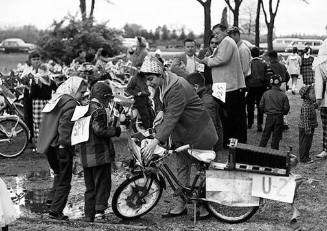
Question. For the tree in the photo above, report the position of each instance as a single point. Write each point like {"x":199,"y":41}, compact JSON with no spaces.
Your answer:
{"x":64,"y":40}
{"x":207,"y":20}
{"x":182,"y":36}
{"x":157,"y":33}
{"x":270,"y":24}
{"x":247,"y":15}
{"x":257,"y":24}
{"x":132,"y":30}
{"x":174,"y":35}
{"x":82,"y":6}
{"x":235,"y":10}
{"x":191,"y":35}
{"x":165,"y":33}
{"x":223,"y":19}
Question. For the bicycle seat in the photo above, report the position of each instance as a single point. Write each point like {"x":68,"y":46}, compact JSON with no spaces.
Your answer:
{"x":203,"y":155}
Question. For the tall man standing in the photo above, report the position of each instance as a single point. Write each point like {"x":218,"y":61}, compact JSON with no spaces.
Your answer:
{"x":245,"y":53}
{"x":226,"y":68}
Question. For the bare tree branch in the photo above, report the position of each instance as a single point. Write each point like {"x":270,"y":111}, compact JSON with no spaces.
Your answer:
{"x":229,"y":5}
{"x":110,"y":2}
{"x":92,"y":9}
{"x":278,"y":1}
{"x":201,"y":2}
{"x":264,"y":12}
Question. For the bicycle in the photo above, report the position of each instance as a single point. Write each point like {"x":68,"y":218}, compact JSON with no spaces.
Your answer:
{"x":14,"y":133}
{"x":138,"y":195}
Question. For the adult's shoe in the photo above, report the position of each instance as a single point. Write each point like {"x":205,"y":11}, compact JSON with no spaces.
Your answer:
{"x":58,"y":216}
{"x":170,"y":214}
{"x":99,"y":216}
{"x":323,"y":154}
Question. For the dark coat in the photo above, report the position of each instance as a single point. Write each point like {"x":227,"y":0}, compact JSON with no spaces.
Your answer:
{"x":214,"y":109}
{"x":56,"y":126}
{"x":185,"y":117}
{"x":99,"y":149}
{"x":280,"y":69}
{"x":207,"y":70}
{"x":259,"y":76}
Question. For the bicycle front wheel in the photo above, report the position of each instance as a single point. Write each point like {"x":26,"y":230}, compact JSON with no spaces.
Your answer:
{"x":14,"y":136}
{"x":136,"y":196}
{"x":231,"y":214}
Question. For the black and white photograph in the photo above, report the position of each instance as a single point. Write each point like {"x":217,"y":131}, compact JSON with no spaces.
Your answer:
{"x":186,"y":115}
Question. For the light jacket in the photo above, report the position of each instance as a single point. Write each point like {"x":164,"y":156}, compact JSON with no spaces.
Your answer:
{"x":226,"y":66}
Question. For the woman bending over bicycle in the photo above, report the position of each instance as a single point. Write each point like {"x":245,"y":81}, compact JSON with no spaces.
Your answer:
{"x":183,"y":117}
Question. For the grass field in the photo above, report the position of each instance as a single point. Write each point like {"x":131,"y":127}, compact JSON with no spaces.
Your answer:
{"x":10,"y":61}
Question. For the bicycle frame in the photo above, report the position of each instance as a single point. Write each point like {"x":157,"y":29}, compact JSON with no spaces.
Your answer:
{"x":166,"y":174}
{"x":13,"y":129}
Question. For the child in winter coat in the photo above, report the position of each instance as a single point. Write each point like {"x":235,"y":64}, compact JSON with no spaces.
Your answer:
{"x":308,"y":122}
{"x":97,"y":153}
{"x":275,"y":105}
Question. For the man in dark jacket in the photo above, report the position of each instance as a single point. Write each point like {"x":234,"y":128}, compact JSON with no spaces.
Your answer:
{"x":256,"y":84}
{"x":184,"y":119}
{"x":210,"y":103}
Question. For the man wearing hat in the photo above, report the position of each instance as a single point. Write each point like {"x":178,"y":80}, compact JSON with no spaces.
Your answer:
{"x":275,"y":104}
{"x":183,"y":118}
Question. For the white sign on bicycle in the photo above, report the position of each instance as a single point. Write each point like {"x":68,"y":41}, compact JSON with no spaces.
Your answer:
{"x":81,"y":129}
{"x":274,"y":187}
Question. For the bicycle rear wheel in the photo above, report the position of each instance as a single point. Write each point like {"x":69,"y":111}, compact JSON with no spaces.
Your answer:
{"x":14,"y":136}
{"x":231,"y":214}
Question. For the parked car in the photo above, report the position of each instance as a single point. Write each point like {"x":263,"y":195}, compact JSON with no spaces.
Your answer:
{"x":279,"y":44}
{"x":16,"y":45}
{"x":301,"y":44}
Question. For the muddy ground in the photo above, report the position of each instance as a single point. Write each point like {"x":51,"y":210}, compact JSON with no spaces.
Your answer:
{"x":29,"y":178}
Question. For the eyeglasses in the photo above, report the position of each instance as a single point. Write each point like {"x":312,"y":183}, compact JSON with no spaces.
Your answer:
{"x":216,"y":43}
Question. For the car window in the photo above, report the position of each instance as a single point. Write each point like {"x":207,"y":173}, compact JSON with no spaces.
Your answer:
{"x":279,"y":41}
{"x":11,"y":44}
{"x":317,"y":43}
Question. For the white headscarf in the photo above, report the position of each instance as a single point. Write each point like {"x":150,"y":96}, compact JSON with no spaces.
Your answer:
{"x":322,"y":55}
{"x":69,"y":87}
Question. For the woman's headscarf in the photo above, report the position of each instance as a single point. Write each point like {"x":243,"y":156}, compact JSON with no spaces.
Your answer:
{"x":69,"y":87}
{"x":322,"y":55}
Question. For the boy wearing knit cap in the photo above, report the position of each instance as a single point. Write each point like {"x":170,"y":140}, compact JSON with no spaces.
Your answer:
{"x":97,"y":153}
{"x":308,"y":122}
{"x":274,"y":103}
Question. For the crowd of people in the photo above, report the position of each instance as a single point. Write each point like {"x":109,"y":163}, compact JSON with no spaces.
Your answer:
{"x":178,"y":102}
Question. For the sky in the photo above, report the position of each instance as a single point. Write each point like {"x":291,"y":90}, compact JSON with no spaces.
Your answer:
{"x":294,"y":16}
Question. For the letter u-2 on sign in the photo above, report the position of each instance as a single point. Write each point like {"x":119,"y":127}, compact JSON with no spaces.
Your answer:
{"x":274,"y":187}
{"x":235,"y":188}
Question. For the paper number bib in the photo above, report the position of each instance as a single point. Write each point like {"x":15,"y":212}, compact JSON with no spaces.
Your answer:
{"x":81,"y":130}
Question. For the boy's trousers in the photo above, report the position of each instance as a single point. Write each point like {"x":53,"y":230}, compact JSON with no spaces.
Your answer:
{"x":305,"y":142}
{"x":274,"y":125}
{"x":98,"y":184}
